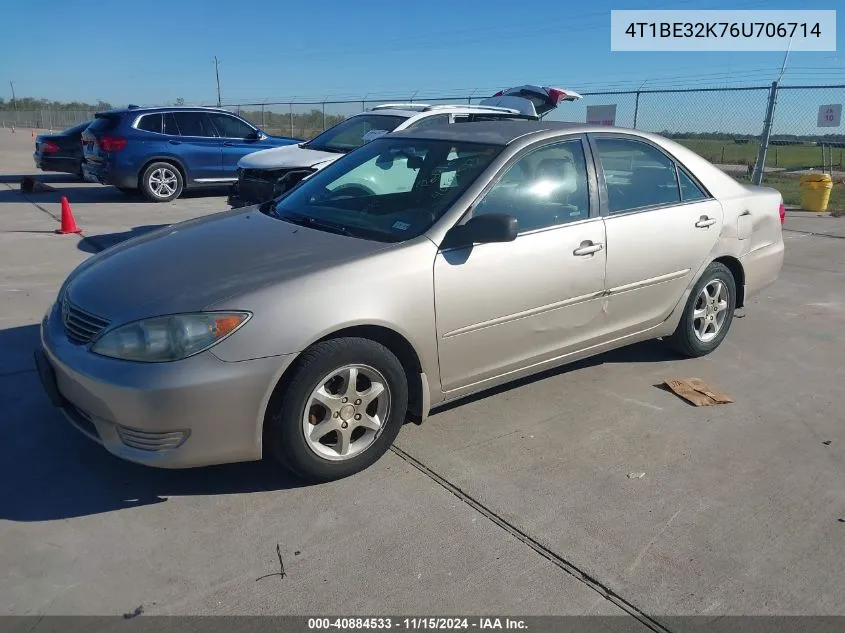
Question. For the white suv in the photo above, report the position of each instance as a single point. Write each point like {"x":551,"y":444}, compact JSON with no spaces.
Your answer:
{"x":269,"y":173}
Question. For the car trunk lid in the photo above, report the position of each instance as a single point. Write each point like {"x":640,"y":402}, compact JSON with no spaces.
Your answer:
{"x":530,"y":99}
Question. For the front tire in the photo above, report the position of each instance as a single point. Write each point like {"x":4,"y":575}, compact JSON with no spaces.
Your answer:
{"x":708,"y":313}
{"x":340,"y":411}
{"x":162,"y":182}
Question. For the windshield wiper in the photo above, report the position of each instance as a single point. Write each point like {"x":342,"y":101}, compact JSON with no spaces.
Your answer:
{"x":323,"y":225}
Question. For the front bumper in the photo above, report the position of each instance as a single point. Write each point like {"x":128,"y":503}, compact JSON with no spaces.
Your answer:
{"x":234,"y":199}
{"x":195,"y":412}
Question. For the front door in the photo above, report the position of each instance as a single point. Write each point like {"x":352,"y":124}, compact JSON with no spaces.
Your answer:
{"x":501,"y":307}
{"x":661,"y":228}
{"x":237,"y":139}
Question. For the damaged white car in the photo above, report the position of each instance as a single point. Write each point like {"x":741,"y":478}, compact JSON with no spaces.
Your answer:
{"x":269,"y":173}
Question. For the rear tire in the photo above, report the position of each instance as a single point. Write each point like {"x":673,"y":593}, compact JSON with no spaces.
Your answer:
{"x":708,"y":313}
{"x":323,"y":426}
{"x":162,"y":182}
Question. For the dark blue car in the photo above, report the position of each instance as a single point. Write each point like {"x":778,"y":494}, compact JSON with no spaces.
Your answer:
{"x":163,"y":151}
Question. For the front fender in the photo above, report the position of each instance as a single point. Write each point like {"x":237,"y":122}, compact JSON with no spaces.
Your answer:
{"x":392,"y":289}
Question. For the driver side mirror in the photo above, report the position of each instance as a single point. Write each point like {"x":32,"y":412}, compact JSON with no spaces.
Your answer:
{"x":483,"y":229}
{"x":255,"y":135}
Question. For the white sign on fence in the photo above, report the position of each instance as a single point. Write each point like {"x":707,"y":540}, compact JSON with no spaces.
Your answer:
{"x":601,"y":114}
{"x":830,"y":115}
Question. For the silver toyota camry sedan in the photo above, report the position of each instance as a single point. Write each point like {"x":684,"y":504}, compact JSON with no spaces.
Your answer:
{"x":422,"y":267}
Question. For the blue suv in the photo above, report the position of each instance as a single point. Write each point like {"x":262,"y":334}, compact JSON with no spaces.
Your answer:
{"x":163,"y":151}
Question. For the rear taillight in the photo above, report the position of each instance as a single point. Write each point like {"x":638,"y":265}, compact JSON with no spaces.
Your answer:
{"x":782,"y":211}
{"x":49,"y":147}
{"x":112,"y":143}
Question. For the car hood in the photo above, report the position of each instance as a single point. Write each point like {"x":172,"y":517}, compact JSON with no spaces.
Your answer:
{"x":286,"y":157}
{"x":188,"y":266}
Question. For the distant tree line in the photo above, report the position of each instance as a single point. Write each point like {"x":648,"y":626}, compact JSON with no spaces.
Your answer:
{"x":31,"y":103}
{"x":724,"y":136}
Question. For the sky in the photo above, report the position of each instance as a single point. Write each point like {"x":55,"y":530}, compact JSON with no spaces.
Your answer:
{"x":123,"y":52}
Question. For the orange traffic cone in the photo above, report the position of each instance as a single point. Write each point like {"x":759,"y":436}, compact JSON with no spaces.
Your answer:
{"x":68,"y":223}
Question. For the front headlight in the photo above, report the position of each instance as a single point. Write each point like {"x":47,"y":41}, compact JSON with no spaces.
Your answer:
{"x":169,"y":338}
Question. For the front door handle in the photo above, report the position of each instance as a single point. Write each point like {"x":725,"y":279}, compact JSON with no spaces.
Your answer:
{"x":704,"y":222}
{"x":228,"y":143}
{"x":175,"y":142}
{"x":587,"y":248}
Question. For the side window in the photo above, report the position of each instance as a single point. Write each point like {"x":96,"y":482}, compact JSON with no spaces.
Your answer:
{"x":230,"y":127}
{"x":170,"y":126}
{"x":150,"y":123}
{"x":440,"y":119}
{"x":544,"y":188}
{"x":689,"y":190}
{"x":194,"y":124}
{"x":637,"y":175}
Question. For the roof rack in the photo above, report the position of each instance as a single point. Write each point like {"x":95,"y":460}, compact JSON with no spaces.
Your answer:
{"x":402,"y":106}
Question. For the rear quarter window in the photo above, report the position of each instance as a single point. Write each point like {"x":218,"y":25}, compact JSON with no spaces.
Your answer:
{"x":150,"y":123}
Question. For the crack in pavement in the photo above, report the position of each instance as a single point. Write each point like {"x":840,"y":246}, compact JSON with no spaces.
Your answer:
{"x":35,"y":204}
{"x":835,"y":237}
{"x":570,"y":568}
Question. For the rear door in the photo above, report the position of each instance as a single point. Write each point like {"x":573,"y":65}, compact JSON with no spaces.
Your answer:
{"x":198,"y":146}
{"x":661,"y":228}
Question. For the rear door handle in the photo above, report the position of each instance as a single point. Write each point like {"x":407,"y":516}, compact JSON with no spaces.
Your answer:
{"x":704,"y":222}
{"x":587,"y":248}
{"x":228,"y":144}
{"x":175,"y":142}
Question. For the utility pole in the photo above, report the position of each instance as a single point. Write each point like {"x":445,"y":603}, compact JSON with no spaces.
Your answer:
{"x":14,"y":103}
{"x":217,"y":75}
{"x":760,"y":165}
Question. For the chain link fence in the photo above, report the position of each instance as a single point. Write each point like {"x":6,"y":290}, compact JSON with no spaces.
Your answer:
{"x":724,"y":125}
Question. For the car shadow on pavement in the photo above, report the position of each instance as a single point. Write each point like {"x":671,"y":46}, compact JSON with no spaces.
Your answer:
{"x":653,"y":351}
{"x":49,"y":178}
{"x":97,"y":243}
{"x":94,"y":194}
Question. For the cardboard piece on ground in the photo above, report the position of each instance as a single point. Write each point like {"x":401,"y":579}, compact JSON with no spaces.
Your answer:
{"x":697,"y":392}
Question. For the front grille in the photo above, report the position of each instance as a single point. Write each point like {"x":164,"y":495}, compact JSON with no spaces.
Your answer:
{"x":81,"y":327}
{"x":256,"y":186}
{"x":261,"y":185}
{"x":150,"y":440}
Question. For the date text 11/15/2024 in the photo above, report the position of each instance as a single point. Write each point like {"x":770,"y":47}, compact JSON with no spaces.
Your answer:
{"x":415,"y":624}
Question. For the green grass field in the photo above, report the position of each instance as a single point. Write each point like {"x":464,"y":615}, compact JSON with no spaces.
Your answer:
{"x":787,"y":156}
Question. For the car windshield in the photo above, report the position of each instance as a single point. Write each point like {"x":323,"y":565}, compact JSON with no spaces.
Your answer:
{"x":390,"y":190}
{"x":354,"y":132}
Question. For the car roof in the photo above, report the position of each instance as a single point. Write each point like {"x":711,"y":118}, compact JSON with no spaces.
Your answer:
{"x":493,"y":132}
{"x":143,"y":110}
